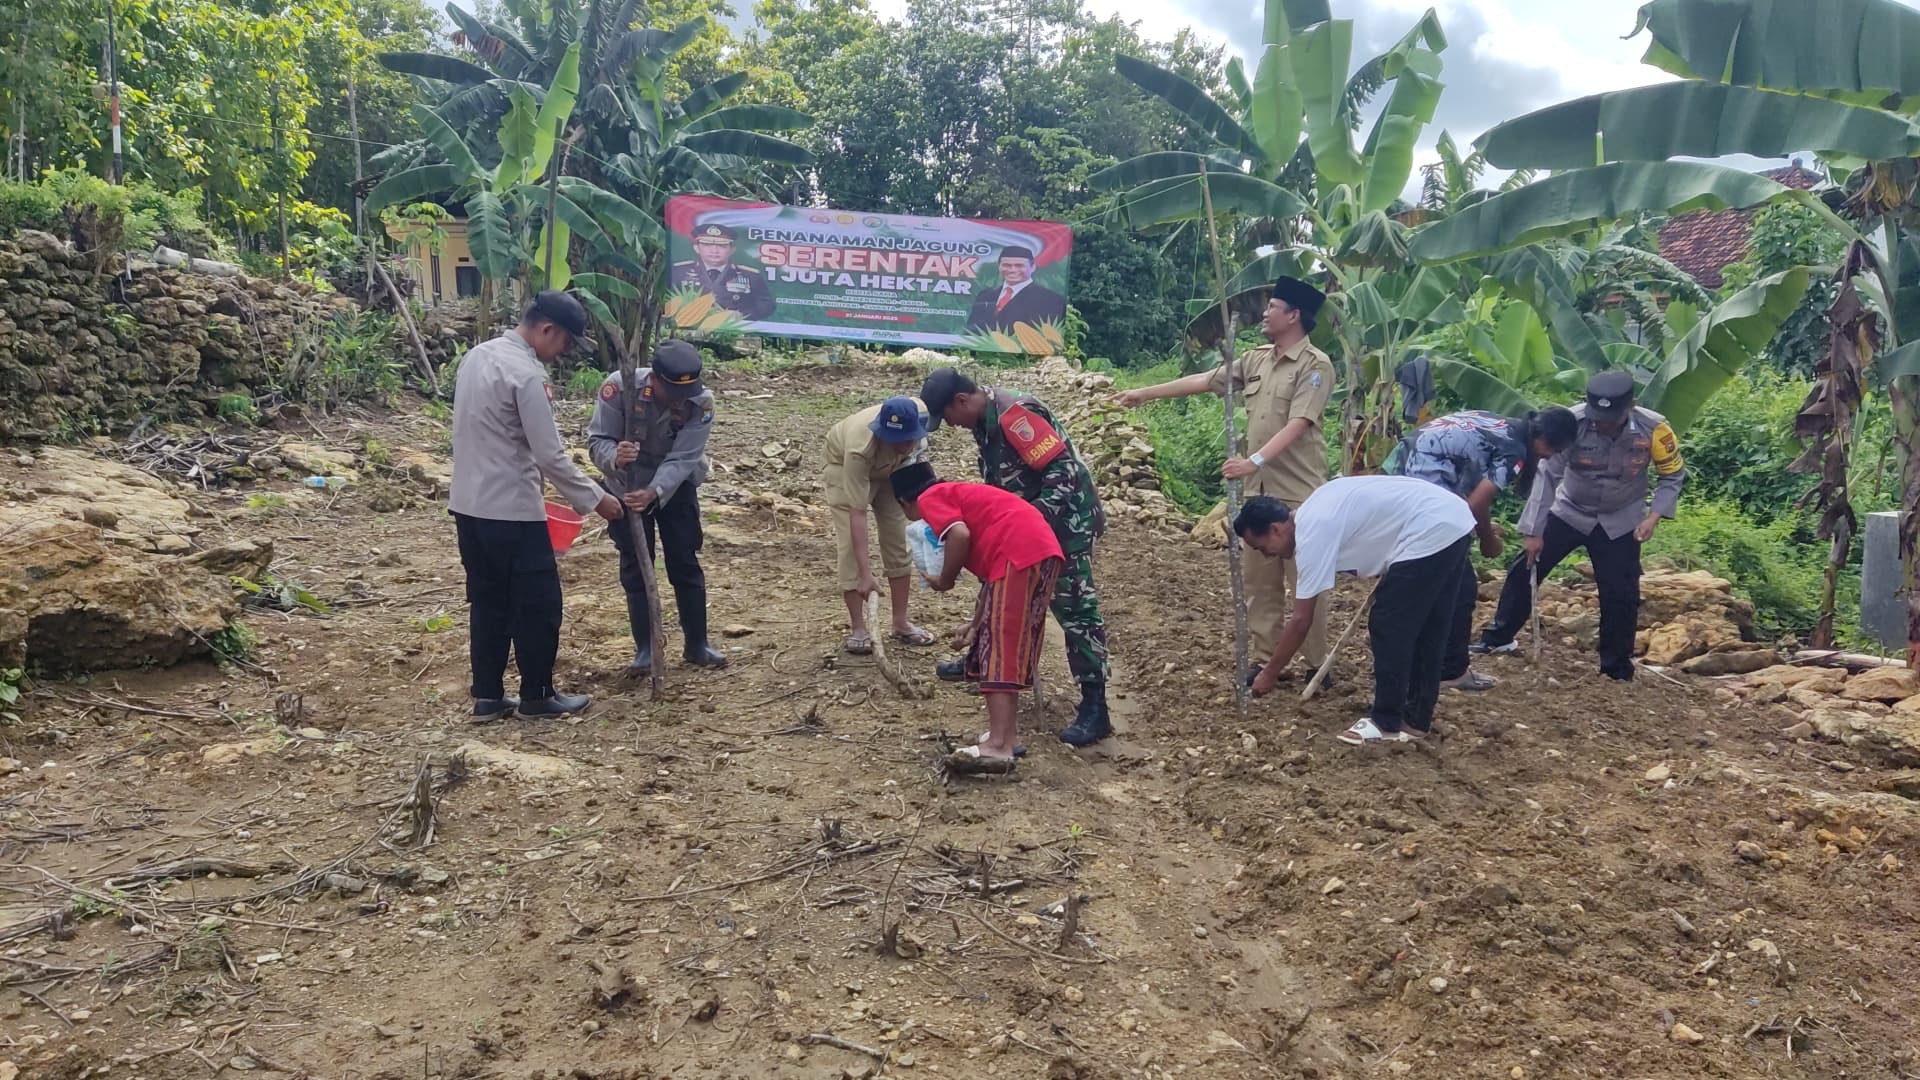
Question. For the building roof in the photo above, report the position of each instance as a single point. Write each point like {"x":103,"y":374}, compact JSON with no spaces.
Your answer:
{"x":1705,"y":242}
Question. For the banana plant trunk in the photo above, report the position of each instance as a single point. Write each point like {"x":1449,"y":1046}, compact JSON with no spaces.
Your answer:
{"x":1904,"y":395}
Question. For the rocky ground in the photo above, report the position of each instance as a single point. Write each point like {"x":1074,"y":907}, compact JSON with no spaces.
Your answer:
{"x":309,"y":862}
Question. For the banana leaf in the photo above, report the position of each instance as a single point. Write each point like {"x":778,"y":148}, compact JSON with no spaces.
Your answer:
{"x":751,"y":118}
{"x":1178,"y":199}
{"x":412,"y":186}
{"x":578,"y":220}
{"x":1320,"y":57}
{"x":517,"y":140}
{"x":1543,"y":275}
{"x":500,"y":47}
{"x":748,"y":144}
{"x":1478,"y":388}
{"x":1192,"y":102}
{"x":1374,"y":240}
{"x":705,"y":99}
{"x":614,"y":212}
{"x":554,"y":112}
{"x":688,"y":170}
{"x":606,"y":284}
{"x":559,"y":274}
{"x":1159,"y":165}
{"x":1586,"y":198}
{"x":1300,"y":14}
{"x":1390,"y":147}
{"x":1262,"y":272}
{"x":448,"y":142}
{"x":1277,"y":104}
{"x":490,"y":235}
{"x":1859,"y":51}
{"x":1900,"y":363}
{"x":1248,"y":306}
{"x":1237,"y":83}
{"x":1693,"y":119}
{"x":1713,"y":352}
{"x":435,"y":66}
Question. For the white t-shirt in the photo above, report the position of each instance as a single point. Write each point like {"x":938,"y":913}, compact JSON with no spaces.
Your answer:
{"x":1367,"y":523}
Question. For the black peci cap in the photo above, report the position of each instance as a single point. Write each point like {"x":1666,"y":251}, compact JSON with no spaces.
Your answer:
{"x":1016,"y":251}
{"x":912,"y":480}
{"x":1609,"y":393}
{"x":713,"y":231}
{"x":939,"y":390}
{"x":563,"y":311}
{"x":676,"y":367}
{"x":1299,"y":296}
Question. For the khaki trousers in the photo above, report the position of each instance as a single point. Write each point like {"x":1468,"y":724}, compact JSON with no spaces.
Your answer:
{"x":1269,"y":602}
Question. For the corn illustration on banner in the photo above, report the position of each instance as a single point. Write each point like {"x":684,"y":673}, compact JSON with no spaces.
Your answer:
{"x":801,"y":272}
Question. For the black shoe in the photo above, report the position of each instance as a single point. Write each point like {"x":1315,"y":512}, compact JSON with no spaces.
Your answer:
{"x":951,"y":670}
{"x":1254,"y":673}
{"x":1092,"y":722}
{"x":642,"y":665}
{"x":557,"y":705}
{"x":703,"y":654}
{"x":495,"y":708}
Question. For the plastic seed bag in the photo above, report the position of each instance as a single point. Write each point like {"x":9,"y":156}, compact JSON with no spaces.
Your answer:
{"x":929,"y":554}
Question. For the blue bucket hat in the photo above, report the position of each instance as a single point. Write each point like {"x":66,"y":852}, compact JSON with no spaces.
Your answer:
{"x":900,"y":421}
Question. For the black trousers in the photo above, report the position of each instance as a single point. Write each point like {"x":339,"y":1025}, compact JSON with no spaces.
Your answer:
{"x":1411,"y":622}
{"x":1455,"y":662}
{"x":1616,"y":570}
{"x":674,"y":525}
{"x":513,"y":589}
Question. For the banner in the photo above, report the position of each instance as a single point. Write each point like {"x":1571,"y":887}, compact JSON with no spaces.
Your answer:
{"x":758,"y":268}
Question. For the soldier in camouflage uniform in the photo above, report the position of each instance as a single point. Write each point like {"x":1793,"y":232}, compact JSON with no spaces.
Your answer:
{"x":1024,"y":452}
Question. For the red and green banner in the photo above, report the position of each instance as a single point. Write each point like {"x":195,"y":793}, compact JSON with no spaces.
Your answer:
{"x":786,"y":271}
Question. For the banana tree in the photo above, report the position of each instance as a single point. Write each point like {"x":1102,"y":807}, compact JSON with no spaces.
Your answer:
{"x":505,"y":202}
{"x":1765,"y":78}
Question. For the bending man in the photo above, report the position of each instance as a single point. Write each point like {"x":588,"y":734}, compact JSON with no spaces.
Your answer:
{"x":1413,"y":536}
{"x":862,"y":453}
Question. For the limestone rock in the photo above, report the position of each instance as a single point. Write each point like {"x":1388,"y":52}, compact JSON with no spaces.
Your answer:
{"x":71,"y":601}
{"x":536,"y":768}
{"x":1731,"y":663}
{"x":247,"y":559}
{"x":316,"y":460}
{"x":1910,"y":706}
{"x":433,"y":473}
{"x":1885,"y":684}
{"x":228,"y":753}
{"x":1792,"y":675}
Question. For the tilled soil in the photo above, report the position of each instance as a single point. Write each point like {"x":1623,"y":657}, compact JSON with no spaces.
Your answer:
{"x":764,"y":874}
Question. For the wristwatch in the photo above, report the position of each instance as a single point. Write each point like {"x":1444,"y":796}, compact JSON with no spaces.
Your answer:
{"x":1257,"y":460}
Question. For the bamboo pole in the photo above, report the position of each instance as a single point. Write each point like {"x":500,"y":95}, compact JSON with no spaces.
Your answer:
{"x":1231,"y":370}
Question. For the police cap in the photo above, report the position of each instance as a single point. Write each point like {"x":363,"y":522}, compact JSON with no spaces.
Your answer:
{"x":1299,"y":296}
{"x":563,"y":311}
{"x":676,"y":368}
{"x":713,"y":232}
{"x":1609,"y":393}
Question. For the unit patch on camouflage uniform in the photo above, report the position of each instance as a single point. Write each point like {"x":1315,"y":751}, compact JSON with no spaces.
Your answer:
{"x":1031,"y":437}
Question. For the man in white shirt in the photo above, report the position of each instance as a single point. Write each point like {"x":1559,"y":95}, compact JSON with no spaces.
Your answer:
{"x":1415,"y":537}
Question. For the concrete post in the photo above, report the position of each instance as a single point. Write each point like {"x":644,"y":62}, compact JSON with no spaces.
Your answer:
{"x":1883,"y":596}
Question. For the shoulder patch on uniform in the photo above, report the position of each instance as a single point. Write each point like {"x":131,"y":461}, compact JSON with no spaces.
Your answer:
{"x":1030,"y":436}
{"x":706,"y":414}
{"x":608,"y":391}
{"x":1313,"y":380}
{"x":1666,"y":450}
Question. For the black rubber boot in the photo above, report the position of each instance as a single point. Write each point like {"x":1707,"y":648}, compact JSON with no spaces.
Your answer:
{"x":1092,"y":722}
{"x":699,"y":650}
{"x":557,"y":705}
{"x":495,"y":708}
{"x":951,"y":670}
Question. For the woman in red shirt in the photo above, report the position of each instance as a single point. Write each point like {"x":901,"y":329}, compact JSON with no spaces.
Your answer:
{"x":1009,"y":546}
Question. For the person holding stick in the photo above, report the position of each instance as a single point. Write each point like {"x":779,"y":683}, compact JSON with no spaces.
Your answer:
{"x":862,"y":453}
{"x":1023,"y":451}
{"x":505,"y":443}
{"x":1596,"y":495}
{"x":673,"y":415}
{"x":1287,"y":383}
{"x":1476,"y":455}
{"x":1010,"y":547}
{"x":1412,"y":535}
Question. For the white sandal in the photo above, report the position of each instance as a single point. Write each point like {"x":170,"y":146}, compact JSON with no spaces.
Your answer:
{"x":1364,"y":731}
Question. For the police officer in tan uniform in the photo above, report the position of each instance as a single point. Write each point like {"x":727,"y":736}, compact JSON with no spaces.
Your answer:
{"x":1597,"y":495}
{"x":1287,"y":385}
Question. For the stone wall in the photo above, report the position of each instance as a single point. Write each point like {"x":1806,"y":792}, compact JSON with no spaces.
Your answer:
{"x":81,"y":352}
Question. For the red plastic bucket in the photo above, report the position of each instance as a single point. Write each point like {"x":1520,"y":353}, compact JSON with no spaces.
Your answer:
{"x":563,"y":526}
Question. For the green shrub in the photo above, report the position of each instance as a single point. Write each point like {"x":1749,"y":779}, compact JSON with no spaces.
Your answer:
{"x":29,"y":206}
{"x":99,"y":215}
{"x":234,"y":643}
{"x":1739,"y":448}
{"x":1772,"y":564}
{"x":10,"y":679}
{"x":350,"y":357}
{"x":585,"y":383}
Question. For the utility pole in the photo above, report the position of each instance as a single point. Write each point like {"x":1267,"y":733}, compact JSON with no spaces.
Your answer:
{"x":353,"y":123}
{"x":113,"y":95}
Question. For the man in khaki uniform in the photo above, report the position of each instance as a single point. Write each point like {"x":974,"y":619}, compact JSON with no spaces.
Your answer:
{"x":862,"y":453}
{"x":1287,"y":385}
